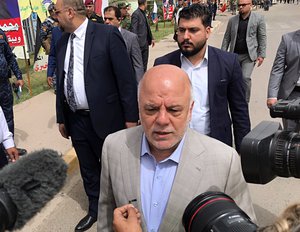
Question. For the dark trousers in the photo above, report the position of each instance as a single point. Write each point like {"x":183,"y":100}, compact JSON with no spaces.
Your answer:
{"x":88,"y":147}
{"x":6,"y":103}
{"x":145,"y":55}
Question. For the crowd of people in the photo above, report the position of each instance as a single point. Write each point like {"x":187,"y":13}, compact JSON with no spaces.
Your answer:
{"x":137,"y":139}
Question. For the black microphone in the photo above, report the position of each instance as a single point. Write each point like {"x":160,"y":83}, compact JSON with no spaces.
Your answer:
{"x":27,"y":185}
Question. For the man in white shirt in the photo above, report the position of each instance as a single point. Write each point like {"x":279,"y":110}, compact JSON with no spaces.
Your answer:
{"x":216,"y":77}
{"x":6,"y":139}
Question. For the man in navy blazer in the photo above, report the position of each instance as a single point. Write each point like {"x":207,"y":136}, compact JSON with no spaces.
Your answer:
{"x":96,"y":92}
{"x":216,"y":78}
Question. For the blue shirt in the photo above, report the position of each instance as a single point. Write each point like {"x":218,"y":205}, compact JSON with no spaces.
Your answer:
{"x":156,"y":184}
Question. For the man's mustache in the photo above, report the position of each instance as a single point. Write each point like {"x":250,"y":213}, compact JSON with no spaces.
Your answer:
{"x":186,"y":42}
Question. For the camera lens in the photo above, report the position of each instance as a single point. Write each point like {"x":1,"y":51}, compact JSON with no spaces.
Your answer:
{"x":285,"y":154}
{"x":215,"y":212}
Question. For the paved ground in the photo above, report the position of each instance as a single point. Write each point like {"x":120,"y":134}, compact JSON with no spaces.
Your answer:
{"x":36,"y":128}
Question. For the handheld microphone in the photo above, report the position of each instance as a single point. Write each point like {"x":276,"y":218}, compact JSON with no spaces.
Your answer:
{"x":27,"y":185}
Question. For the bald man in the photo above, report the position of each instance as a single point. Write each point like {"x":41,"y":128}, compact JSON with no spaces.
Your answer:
{"x":160,"y":166}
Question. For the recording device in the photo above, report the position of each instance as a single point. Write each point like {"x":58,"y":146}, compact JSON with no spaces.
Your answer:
{"x":17,"y":90}
{"x":268,"y":151}
{"x":27,"y":185}
{"x":216,"y":212}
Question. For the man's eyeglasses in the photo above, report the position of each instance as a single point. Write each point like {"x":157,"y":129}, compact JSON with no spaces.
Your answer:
{"x":243,"y":5}
{"x":58,"y":11}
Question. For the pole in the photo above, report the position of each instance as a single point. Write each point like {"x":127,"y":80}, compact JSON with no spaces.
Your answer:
{"x":27,"y":71}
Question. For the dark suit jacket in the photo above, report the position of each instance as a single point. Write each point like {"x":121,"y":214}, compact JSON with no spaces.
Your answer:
{"x":109,"y":80}
{"x":225,"y":90}
{"x":140,"y":26}
{"x":56,"y":34}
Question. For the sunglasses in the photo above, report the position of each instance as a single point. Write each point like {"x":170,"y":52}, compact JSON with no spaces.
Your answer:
{"x":243,"y":5}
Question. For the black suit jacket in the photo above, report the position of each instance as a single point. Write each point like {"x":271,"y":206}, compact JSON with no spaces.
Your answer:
{"x":109,"y":80}
{"x":140,"y":26}
{"x":225,"y":91}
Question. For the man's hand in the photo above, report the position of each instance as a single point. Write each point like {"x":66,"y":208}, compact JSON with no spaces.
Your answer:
{"x":50,"y":81}
{"x":153,"y":43}
{"x":13,"y":154}
{"x":20,"y":83}
{"x":271,"y":101}
{"x":259,"y":61}
{"x":127,"y":219}
{"x":63,"y":131}
{"x":130,"y":124}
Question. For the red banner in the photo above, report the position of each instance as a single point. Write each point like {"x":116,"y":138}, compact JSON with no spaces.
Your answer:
{"x":10,"y":22}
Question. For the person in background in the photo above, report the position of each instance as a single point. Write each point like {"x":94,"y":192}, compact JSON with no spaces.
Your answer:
{"x":125,"y":16}
{"x":246,"y":36}
{"x":8,"y":62}
{"x":51,"y":71}
{"x":90,"y":12}
{"x":46,"y":29}
{"x":112,"y":16}
{"x":141,"y":27}
{"x":284,"y":82}
{"x":216,"y":77}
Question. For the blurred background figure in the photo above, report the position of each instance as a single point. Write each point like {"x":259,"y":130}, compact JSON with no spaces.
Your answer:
{"x":47,"y":27}
{"x":112,"y":16}
{"x":125,"y":16}
{"x":90,"y":12}
{"x":8,"y":62}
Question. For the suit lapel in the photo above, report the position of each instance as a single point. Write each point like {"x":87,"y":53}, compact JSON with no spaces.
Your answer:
{"x":250,"y":22}
{"x":213,"y":73}
{"x":236,"y":27}
{"x":88,"y":44}
{"x":62,"y":54}
{"x":186,"y":182}
{"x":131,"y":169}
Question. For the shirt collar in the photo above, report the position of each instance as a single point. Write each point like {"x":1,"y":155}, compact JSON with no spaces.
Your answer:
{"x":184,"y":59}
{"x":81,"y":30}
{"x":175,"y":156}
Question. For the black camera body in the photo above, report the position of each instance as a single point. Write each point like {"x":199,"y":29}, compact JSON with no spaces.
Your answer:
{"x":268,"y":151}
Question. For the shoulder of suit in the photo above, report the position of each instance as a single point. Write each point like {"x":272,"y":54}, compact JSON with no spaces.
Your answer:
{"x":123,"y":135}
{"x":212,"y":146}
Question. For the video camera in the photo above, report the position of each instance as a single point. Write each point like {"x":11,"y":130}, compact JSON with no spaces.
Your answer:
{"x":269,"y":151}
{"x":216,"y":212}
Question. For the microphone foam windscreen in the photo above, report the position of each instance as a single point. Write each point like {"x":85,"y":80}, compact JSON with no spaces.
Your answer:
{"x":32,"y":181}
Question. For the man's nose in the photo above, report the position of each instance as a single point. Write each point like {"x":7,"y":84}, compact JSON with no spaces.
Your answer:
{"x":162,"y":118}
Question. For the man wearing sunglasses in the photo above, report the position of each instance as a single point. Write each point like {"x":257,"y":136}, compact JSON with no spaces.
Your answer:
{"x":246,"y":36}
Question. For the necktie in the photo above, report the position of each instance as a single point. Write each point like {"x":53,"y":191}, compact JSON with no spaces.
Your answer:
{"x":70,"y":88}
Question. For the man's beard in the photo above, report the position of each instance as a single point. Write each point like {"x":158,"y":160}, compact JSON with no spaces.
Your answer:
{"x":196,"y":48}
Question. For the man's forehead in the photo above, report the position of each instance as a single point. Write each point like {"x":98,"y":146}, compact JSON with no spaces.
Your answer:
{"x":189,"y":23}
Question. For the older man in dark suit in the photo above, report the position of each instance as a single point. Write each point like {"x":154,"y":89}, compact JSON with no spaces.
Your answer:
{"x":216,"y":76}
{"x":141,"y":27}
{"x":96,"y":92}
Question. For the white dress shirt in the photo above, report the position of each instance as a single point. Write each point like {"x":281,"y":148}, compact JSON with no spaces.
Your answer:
{"x":6,"y":137}
{"x":78,"y":77}
{"x":199,"y":77}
